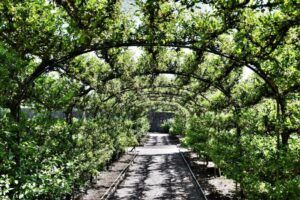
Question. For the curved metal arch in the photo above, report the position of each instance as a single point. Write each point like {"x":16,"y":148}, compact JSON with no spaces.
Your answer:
{"x":158,"y":72}
{"x":178,"y":106}
{"x":261,"y":73}
{"x":180,"y":89}
{"x":171,"y":101}
{"x":46,"y":66}
{"x":134,"y":90}
{"x":166,"y":98}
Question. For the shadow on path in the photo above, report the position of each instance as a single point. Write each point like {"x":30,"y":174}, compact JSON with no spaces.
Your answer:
{"x":158,"y":173}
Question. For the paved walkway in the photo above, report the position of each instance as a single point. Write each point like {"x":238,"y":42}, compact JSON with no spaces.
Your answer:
{"x":158,"y":172}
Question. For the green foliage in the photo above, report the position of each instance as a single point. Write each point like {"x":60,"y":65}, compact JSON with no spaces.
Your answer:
{"x":253,"y":159}
{"x":56,"y":157}
{"x":228,"y":68}
{"x":197,"y":135}
{"x":176,"y":125}
{"x":167,"y":124}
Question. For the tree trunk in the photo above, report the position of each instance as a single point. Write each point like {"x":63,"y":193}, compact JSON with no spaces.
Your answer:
{"x":15,"y":111}
{"x":14,"y":145}
{"x":237,"y":113}
{"x":281,"y":118}
{"x":69,"y":115}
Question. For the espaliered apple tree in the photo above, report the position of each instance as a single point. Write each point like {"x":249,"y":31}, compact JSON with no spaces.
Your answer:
{"x":77,"y":78}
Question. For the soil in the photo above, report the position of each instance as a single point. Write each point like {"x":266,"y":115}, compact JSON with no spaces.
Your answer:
{"x":214,"y":185}
{"x":102,"y":182}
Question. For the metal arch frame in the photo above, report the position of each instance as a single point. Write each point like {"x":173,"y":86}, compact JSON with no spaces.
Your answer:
{"x":170,"y":98}
{"x":136,"y":90}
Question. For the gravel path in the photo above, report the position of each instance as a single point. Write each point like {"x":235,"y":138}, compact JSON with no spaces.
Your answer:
{"x":158,"y":172}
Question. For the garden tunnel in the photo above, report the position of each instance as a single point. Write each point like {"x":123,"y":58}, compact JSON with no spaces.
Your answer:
{"x":117,"y":60}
